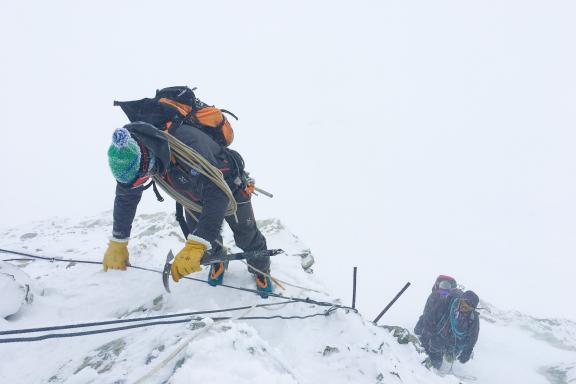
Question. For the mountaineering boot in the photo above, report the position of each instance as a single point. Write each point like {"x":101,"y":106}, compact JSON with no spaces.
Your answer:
{"x":263,"y":285}
{"x":216,"y":274}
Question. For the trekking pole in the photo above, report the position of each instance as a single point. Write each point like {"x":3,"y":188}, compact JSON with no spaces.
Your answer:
{"x":354,"y":289}
{"x":390,"y":303}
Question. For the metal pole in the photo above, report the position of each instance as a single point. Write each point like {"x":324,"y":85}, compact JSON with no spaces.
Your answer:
{"x":391,"y":303}
{"x":354,"y":289}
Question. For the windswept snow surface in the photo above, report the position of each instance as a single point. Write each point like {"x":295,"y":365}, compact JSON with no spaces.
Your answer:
{"x":340,"y":348}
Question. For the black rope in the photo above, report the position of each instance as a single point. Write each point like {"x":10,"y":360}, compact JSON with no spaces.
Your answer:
{"x":271,"y":294}
{"x":85,"y":333}
{"x":145,"y":322}
{"x":51,"y":259}
{"x":107,"y":330}
{"x":137,"y":319}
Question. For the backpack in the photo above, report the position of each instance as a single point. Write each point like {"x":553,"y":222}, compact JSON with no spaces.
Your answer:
{"x":444,"y":278}
{"x":174,"y":106}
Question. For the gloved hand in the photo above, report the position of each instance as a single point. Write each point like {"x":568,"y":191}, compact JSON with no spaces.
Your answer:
{"x":116,"y":256}
{"x":188,"y":259}
{"x":464,"y":357}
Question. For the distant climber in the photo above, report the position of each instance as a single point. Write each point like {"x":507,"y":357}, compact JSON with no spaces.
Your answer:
{"x":450,"y":327}
{"x":440,"y":290}
{"x":141,"y":151}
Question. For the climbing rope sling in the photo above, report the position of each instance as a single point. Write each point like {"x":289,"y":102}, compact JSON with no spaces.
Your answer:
{"x":189,"y":157}
{"x":448,"y":325}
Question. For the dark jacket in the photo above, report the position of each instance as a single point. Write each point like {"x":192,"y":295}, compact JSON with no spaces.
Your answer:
{"x":448,"y":329}
{"x":189,"y":183}
{"x":435,"y":299}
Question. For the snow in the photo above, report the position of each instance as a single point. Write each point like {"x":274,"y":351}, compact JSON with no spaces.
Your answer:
{"x":15,"y":286}
{"x":343,"y":347}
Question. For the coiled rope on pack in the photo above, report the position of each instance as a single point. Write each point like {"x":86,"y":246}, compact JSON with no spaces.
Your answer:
{"x":189,"y":157}
{"x":454,"y":321}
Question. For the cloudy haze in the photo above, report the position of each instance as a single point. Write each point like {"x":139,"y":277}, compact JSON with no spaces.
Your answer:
{"x":407,"y":138}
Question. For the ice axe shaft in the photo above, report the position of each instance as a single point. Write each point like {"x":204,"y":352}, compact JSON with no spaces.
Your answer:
{"x":209,"y":258}
{"x":263,"y":192}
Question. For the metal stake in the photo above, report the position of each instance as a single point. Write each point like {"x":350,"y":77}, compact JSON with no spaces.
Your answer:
{"x":391,"y":303}
{"x":354,"y":289}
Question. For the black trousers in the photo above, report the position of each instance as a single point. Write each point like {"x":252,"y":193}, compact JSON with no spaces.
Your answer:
{"x":247,"y":236}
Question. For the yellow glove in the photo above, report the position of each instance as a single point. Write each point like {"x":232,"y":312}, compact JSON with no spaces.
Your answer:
{"x":116,"y":256}
{"x":188,"y":259}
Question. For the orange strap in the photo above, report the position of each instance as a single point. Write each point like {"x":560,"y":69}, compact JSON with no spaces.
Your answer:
{"x":183,"y":109}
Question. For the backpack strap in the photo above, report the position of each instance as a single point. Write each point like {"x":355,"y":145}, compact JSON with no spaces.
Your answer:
{"x":229,"y":113}
{"x":181,"y":219}
{"x":155,"y":189}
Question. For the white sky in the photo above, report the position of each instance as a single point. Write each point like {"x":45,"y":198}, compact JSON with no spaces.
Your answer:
{"x":407,"y":138}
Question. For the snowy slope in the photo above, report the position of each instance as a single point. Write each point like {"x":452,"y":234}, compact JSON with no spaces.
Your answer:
{"x":340,"y":348}
{"x":532,"y":350}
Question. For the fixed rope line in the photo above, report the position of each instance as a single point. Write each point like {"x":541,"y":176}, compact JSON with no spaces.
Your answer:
{"x":137,"y":319}
{"x":271,"y":294}
{"x":51,"y":259}
{"x":147,"y":324}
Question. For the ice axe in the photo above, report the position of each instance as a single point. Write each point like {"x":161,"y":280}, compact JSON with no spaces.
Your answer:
{"x":210,"y":258}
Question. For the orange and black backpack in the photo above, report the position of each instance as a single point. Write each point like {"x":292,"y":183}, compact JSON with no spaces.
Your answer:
{"x":174,"y":106}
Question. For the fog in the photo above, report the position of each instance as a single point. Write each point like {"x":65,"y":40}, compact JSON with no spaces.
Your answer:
{"x":406,"y":138}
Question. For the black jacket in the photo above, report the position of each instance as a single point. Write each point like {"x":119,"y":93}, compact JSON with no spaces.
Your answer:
{"x":196,"y":187}
{"x":449,"y":329}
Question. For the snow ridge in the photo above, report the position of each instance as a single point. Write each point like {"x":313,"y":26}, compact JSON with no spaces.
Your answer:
{"x":339,"y":348}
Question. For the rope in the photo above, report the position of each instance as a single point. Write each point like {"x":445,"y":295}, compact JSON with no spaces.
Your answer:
{"x":271,"y":294}
{"x":454,"y":321}
{"x":148,"y":324}
{"x":138,"y":319}
{"x":189,"y":157}
{"x":86,"y":333}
